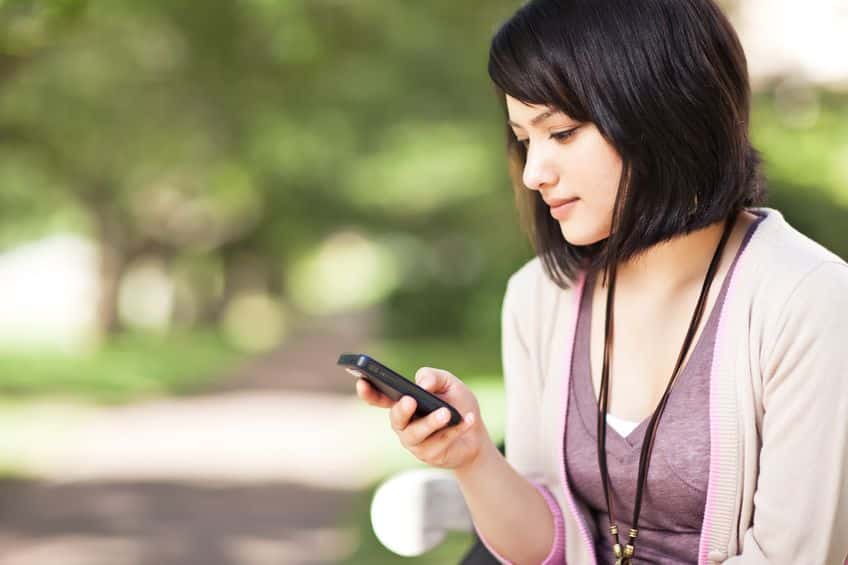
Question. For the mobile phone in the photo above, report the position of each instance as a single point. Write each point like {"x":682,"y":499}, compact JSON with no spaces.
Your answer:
{"x":394,"y":385}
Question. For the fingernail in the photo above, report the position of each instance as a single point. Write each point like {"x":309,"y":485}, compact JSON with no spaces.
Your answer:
{"x":442,"y":415}
{"x":425,"y":382}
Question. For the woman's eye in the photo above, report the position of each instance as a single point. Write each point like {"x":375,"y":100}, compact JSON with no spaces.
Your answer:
{"x":559,"y":136}
{"x":563,"y":135}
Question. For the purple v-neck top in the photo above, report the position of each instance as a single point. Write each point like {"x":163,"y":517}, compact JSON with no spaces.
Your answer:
{"x":675,"y":490}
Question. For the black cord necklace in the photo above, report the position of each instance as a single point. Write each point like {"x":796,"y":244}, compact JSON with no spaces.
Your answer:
{"x":625,"y":556}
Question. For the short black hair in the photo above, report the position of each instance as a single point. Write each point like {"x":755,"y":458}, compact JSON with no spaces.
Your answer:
{"x":666,"y":83}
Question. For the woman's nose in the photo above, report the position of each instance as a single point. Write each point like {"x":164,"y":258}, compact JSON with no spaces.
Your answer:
{"x":538,"y":172}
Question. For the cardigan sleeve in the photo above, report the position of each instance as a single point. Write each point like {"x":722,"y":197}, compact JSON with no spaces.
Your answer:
{"x":801,"y":498}
{"x":522,"y":443}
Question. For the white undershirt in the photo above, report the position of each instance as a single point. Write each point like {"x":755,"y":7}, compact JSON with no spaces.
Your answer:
{"x":622,"y":426}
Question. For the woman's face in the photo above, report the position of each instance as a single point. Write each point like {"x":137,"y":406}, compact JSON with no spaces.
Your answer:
{"x":566,"y":160}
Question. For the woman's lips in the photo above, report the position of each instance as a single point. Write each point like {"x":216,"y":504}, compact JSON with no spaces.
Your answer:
{"x":562,"y":210}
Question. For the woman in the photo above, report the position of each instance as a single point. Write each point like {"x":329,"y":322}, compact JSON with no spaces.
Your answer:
{"x":674,"y":356}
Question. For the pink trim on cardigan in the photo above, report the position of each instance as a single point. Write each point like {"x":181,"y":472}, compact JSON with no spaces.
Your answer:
{"x":707,"y":523}
{"x":578,"y":292}
{"x":557,"y":553}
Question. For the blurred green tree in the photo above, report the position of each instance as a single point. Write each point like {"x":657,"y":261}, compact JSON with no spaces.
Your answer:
{"x":228,"y":133}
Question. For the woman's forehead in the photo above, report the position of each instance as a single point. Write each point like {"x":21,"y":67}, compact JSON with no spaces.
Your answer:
{"x":522,"y":115}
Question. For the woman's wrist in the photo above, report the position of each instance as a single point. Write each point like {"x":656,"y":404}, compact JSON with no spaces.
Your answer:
{"x":485,"y":457}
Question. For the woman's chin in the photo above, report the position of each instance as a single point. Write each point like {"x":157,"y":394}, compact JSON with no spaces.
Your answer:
{"x":575,"y":236}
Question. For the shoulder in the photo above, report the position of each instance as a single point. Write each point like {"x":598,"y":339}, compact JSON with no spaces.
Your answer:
{"x":780,"y":248}
{"x":529,"y":288}
{"x":526,"y":278}
{"x":798,"y":288}
{"x":785,"y":264}
{"x":536,"y":310}
{"x":818,"y":300}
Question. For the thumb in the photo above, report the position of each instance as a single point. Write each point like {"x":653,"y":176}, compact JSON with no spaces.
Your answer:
{"x":433,"y":380}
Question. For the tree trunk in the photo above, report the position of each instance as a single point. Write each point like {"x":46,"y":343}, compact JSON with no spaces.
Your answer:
{"x":111,"y":270}
{"x":112,"y":256}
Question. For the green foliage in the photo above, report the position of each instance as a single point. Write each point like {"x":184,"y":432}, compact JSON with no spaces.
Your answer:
{"x":804,"y":140}
{"x":268,"y":128}
{"x":129,"y":367}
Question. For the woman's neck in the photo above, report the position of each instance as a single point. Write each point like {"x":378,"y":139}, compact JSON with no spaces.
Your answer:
{"x":672,"y":266}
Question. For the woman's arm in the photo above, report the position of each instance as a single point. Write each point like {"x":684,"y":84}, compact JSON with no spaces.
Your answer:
{"x":511,"y":514}
{"x":513,"y":510}
{"x":801,"y":501}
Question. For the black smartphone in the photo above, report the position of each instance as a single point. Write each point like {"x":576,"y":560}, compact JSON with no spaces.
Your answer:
{"x":394,"y":385}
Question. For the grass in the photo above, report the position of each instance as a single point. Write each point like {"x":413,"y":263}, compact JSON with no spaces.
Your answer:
{"x":130,"y":367}
{"x":136,"y":366}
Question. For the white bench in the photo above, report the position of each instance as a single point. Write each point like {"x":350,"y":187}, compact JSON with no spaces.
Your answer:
{"x":412,"y":511}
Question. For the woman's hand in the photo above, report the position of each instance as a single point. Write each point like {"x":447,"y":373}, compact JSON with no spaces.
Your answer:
{"x":427,"y":438}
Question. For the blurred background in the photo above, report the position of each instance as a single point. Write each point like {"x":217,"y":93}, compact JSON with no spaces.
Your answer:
{"x":203,"y":203}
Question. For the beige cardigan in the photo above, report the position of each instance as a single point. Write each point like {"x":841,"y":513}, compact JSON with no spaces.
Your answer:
{"x":778,"y":476}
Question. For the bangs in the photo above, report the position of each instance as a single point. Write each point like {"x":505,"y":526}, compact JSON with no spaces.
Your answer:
{"x":518,"y":65}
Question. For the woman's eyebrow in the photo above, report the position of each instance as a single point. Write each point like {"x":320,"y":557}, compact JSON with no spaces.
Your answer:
{"x":535,"y":121}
